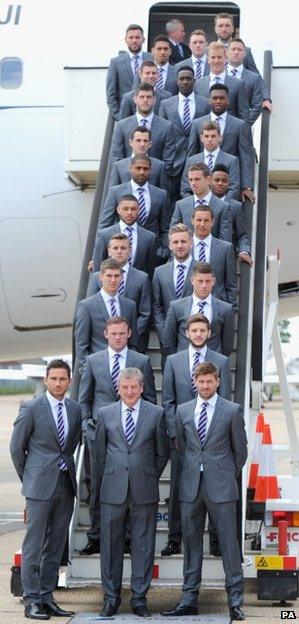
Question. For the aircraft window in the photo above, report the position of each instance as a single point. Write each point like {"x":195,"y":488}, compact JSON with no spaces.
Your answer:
{"x":11,"y":72}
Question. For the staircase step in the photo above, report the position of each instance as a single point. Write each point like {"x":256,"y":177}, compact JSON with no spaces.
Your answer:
{"x":84,"y":520}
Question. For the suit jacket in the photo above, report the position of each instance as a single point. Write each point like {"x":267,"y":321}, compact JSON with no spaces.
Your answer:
{"x":175,"y":56}
{"x":222,"y":226}
{"x":222,"y":454}
{"x":230,"y":161}
{"x":249,"y":63}
{"x":236,"y":140}
{"x":177,"y":386}
{"x":97,"y":390}
{"x":254,"y":89}
{"x":145,"y":242}
{"x":119,"y":80}
{"x":120,"y":173}
{"x":188,"y":63}
{"x":158,"y":217}
{"x":238,"y":99}
{"x":169,"y":110}
{"x":135,"y":468}
{"x":138,"y":289}
{"x":36,"y":450}
{"x":91,"y":319}
{"x":163,"y":140}
{"x":222,"y":326}
{"x":170,"y":83}
{"x":240,"y":237}
{"x":164,"y":292}
{"x":223,"y":261}
{"x":128,"y":106}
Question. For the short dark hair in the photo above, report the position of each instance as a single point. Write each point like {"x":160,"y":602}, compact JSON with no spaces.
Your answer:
{"x":237,"y":40}
{"x":131,"y":198}
{"x":201,"y":166}
{"x":185,"y":68}
{"x":203,"y":208}
{"x":221,"y":167}
{"x":134,"y":27}
{"x":58,"y":363}
{"x":202,"y":267}
{"x":116,"y":320}
{"x":118,"y":236}
{"x":140,"y":129}
{"x":224,"y":16}
{"x":110,"y":263}
{"x":219,"y":87}
{"x":198,"y":32}
{"x":147,"y":63}
{"x":198,"y":318}
{"x":206,"y":368}
{"x":138,"y":157}
{"x":144,"y":86}
{"x":160,"y":38}
{"x":210,"y":125}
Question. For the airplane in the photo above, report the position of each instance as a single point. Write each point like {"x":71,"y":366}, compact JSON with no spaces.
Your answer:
{"x":45,"y":206}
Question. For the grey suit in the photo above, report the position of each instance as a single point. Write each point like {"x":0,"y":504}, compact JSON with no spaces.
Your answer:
{"x":138,"y":289}
{"x":230,"y":161}
{"x":222,"y":326}
{"x":164,"y":292}
{"x":119,"y":80}
{"x":128,"y":106}
{"x":120,"y":173}
{"x":36,"y":453}
{"x":240,"y":237}
{"x":236,"y":140}
{"x":170,"y":83}
{"x":254,"y":90}
{"x":188,"y":62}
{"x":163,"y":140}
{"x":238,"y":98}
{"x":222,"y":225}
{"x":223,"y":261}
{"x":129,"y":475}
{"x":92,"y":316}
{"x":249,"y":63}
{"x":208,"y":483}
{"x":143,"y":256}
{"x":169,"y":110}
{"x":97,"y":390}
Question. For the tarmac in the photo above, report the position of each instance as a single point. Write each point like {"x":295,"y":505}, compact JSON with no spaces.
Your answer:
{"x":86,"y":602}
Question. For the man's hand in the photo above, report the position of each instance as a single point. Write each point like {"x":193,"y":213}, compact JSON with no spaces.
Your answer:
{"x":245,"y":257}
{"x":247,"y":193}
{"x":90,"y":265}
{"x":268,"y":105}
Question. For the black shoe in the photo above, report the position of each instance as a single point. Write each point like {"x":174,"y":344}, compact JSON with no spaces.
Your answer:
{"x":214,"y":546}
{"x":127,"y":547}
{"x":52,"y":608}
{"x":180,"y":610}
{"x":92,"y":548}
{"x":141,"y":611}
{"x":172,"y":548}
{"x":236,"y":613}
{"x":108,"y":610}
{"x":35,"y":611}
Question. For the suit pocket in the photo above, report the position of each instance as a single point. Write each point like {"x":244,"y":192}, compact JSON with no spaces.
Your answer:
{"x":226,"y":466}
{"x":108,"y":471}
{"x":35,"y":464}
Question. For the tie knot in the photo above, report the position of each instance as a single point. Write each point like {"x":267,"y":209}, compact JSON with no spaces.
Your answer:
{"x":198,"y":62}
{"x":129,"y":229}
{"x":200,"y":202}
{"x":143,"y":122}
{"x":60,"y":405}
{"x":201,"y":304}
{"x":129,"y":411}
{"x":181,"y":267}
{"x":116,"y":356}
{"x":217,"y":79}
{"x":112,"y":300}
{"x":186,"y":100}
{"x":140,"y":189}
{"x":204,"y":405}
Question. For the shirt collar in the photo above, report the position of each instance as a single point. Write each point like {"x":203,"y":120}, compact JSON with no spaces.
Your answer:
{"x":214,"y":153}
{"x":239,"y":68}
{"x":197,"y":300}
{"x":206,"y":240}
{"x":186,"y":263}
{"x":131,"y":55}
{"x":203,"y":58}
{"x":125,"y":268}
{"x":164,"y":67}
{"x":221,"y":76}
{"x":136,"y":407}
{"x":211,"y":401}
{"x":53,"y":402}
{"x":135,"y":186}
{"x":124,"y":225}
{"x":193,"y":350}
{"x":223,"y":116}
{"x":149,"y":117}
{"x":107,"y":297}
{"x":190,"y":97}
{"x":207,"y":198}
{"x":123,"y":353}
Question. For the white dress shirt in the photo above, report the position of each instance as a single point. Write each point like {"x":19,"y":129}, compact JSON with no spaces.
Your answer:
{"x":121,"y":360}
{"x":135,"y":414}
{"x":146,"y":194}
{"x":202,"y":59}
{"x":221,"y":76}
{"x":196,"y":246}
{"x":54,"y":409}
{"x":164,"y":72}
{"x":207,"y":311}
{"x":214,"y":154}
{"x":192,"y":354}
{"x":221,"y":120}
{"x":125,"y":270}
{"x":210,"y":410}
{"x":238,"y":69}
{"x":149,"y":119}
{"x":107,"y":298}
{"x":191,"y":100}
{"x":186,"y":264}
{"x":122,"y":227}
{"x":206,"y":199}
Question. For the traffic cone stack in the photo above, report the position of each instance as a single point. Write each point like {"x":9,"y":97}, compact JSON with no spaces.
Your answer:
{"x":256,"y":456}
{"x":267,"y":484}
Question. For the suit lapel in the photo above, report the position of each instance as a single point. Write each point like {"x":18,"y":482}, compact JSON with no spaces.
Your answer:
{"x":185,"y":367}
{"x":215,"y":418}
{"x":127,"y":64}
{"x":117,"y":408}
{"x":190,"y":418}
{"x":70,"y":421}
{"x":214,"y":251}
{"x":100,"y":305}
{"x":104,"y":362}
{"x":188,"y":276}
{"x":49,"y":416}
{"x":129,"y":281}
{"x":169,"y":278}
{"x":140,"y":420}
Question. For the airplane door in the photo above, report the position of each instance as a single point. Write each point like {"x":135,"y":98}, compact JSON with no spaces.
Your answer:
{"x":40,"y":267}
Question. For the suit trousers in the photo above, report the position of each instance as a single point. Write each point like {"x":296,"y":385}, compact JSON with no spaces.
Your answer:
{"x":143,"y":519}
{"x":46,"y":533}
{"x":94,"y":496}
{"x":174,"y":514}
{"x":193,"y":526}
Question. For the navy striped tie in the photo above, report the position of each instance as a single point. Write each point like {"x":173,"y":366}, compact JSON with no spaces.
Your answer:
{"x":186,"y":116}
{"x":129,"y":234}
{"x":200,"y":202}
{"x":201,"y":253}
{"x":143,"y":122}
{"x":130,"y":426}
{"x":202,"y":423}
{"x":217,"y":79}
{"x":115,"y":372}
{"x":180,"y":280}
{"x":195,"y":363}
{"x":113,"y":306}
{"x":136,"y":64}
{"x":60,"y":428}
{"x":201,"y":305}
{"x":198,"y":73}
{"x":210,"y":162}
{"x":142,"y":208}
{"x":121,"y":287}
{"x":233,"y":73}
{"x":159,"y":83}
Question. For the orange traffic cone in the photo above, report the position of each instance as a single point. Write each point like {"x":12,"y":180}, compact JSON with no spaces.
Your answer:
{"x":256,"y":454}
{"x":267,"y":484}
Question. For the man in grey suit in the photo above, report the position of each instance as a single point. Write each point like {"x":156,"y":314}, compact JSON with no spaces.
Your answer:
{"x":198,"y":60}
{"x":148,"y":73}
{"x":219,"y":186}
{"x":140,"y":143}
{"x":179,"y":387}
{"x":180,"y":110}
{"x":94,"y":312}
{"x":98,"y":387}
{"x":162,"y":132}
{"x":124,"y":67}
{"x":238,"y":98}
{"x":135,"y":285}
{"x":212,"y":440}
{"x":219,"y":253}
{"x":131,"y":452}
{"x":199,"y":177}
{"x":219,"y":313}
{"x":236,"y":137}
{"x":43,"y":442}
{"x":154,"y":209}
{"x":142,"y":239}
{"x":212,"y":154}
{"x":236,"y":53}
{"x":161,"y":51}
